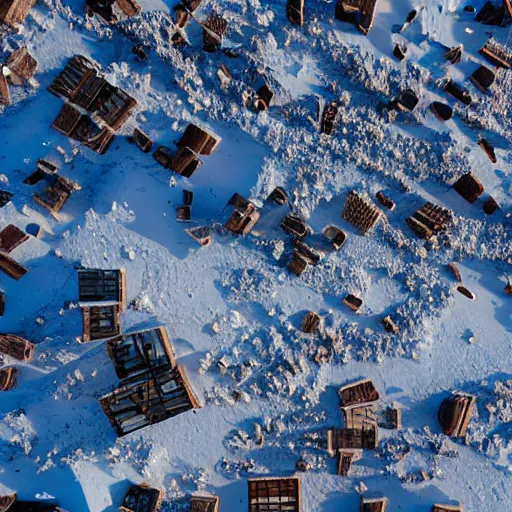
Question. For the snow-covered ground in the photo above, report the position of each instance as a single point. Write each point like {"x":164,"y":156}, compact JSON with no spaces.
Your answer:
{"x":55,"y":439}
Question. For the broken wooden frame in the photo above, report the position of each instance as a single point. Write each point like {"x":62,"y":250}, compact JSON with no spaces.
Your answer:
{"x":152,"y":397}
{"x":137,"y":352}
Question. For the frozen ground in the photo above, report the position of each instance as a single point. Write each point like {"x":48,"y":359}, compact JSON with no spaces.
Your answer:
{"x":54,"y":438}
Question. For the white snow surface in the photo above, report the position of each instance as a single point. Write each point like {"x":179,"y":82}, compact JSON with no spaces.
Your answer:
{"x":55,"y":440}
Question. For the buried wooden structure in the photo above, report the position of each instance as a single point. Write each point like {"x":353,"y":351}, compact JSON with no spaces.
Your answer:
{"x":81,"y":83}
{"x":357,"y":393}
{"x":490,"y":206}
{"x":142,"y":498}
{"x":55,"y":196}
{"x":194,"y":142}
{"x":336,"y":236}
{"x":201,"y":234}
{"x":384,"y":200}
{"x":446,"y":508}
{"x":469,"y":187}
{"x":454,"y":414}
{"x":352,"y":302}
{"x":12,"y":504}
{"x":406,"y":101}
{"x":153,"y":396}
{"x":365,"y":438}
{"x":100,"y":322}
{"x":488,"y":149}
{"x":11,"y":237}
{"x":458,"y":92}
{"x":373,"y":504}
{"x":495,"y":14}
{"x":11,"y":267}
{"x":214,"y":30}
{"x":297,"y":264}
{"x":496,"y":54}
{"x":21,"y":67}
{"x":272,"y":494}
{"x":310,"y":323}
{"x":16,"y":347}
{"x":100,"y":285}
{"x":204,"y":503}
{"x":140,"y":351}
{"x":279,"y":196}
{"x":102,"y":297}
{"x":295,"y":12}
{"x":8,"y":378}
{"x":80,"y":127}
{"x":483,"y":78}
{"x":454,"y":54}
{"x":361,"y":213}
{"x":113,"y":11}
{"x":358,"y":12}
{"x":295,"y":225}
{"x":329,"y":118}
{"x":244,"y":215}
{"x":15,"y":11}
{"x":389,"y":325}
{"x":141,"y":140}
{"x":430,"y":220}
{"x":442,"y":111}
{"x":345,"y":459}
